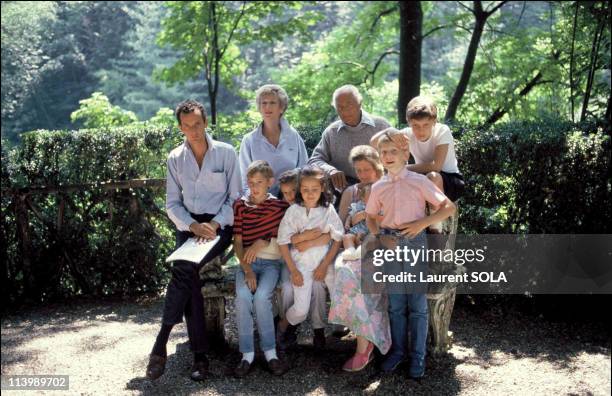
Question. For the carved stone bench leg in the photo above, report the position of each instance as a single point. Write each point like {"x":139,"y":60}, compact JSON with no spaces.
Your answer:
{"x":214,"y":318}
{"x":440,"y":311}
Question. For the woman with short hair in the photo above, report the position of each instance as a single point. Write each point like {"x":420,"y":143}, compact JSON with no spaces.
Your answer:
{"x":274,"y":140}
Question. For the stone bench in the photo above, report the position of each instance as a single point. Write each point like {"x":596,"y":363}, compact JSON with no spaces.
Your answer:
{"x":219,"y":284}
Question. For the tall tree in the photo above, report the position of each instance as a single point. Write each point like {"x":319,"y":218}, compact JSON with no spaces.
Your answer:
{"x":600,"y":12}
{"x":481,"y":15}
{"x":360,"y":51}
{"x":74,"y":40}
{"x":411,"y":40}
{"x":210,"y":32}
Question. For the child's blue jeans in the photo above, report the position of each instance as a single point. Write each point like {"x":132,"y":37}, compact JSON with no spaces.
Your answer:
{"x":258,"y":303}
{"x":408,"y":310}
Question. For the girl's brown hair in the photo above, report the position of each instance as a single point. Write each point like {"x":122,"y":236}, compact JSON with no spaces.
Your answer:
{"x":312,"y":172}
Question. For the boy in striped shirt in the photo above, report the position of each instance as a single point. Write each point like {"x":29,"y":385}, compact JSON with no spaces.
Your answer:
{"x":256,"y":221}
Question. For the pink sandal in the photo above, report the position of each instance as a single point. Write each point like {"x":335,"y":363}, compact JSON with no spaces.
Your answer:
{"x":359,"y":360}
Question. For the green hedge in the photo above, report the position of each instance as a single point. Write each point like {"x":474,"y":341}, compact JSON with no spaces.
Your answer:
{"x":547,"y":177}
{"x":109,"y":242}
{"x":536,"y":177}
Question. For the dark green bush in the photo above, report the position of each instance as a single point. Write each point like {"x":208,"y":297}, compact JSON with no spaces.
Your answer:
{"x":105,"y":242}
{"x":536,"y":177}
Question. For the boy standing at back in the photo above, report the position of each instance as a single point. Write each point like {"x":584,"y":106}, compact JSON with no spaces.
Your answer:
{"x":397,"y":208}
{"x":432,"y":146}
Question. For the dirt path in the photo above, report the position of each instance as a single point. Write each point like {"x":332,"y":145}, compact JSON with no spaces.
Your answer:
{"x":103,"y":347}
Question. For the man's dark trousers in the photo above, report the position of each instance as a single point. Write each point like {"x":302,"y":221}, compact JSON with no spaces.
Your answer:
{"x":184,"y":296}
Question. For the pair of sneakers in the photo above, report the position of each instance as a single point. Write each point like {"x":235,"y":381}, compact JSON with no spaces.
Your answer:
{"x":416,"y":370}
{"x":275,"y":366}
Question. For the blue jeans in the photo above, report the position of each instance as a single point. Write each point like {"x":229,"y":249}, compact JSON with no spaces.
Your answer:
{"x":408,"y":309}
{"x":260,"y":303}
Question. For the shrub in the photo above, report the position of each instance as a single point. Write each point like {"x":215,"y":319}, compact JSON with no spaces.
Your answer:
{"x":536,"y":177}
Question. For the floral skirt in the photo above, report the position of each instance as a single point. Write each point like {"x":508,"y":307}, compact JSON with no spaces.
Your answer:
{"x":365,"y":314}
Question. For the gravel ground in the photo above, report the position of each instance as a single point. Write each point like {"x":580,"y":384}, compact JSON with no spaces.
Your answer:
{"x":103,"y":347}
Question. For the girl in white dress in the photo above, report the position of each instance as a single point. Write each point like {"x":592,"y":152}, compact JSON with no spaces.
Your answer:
{"x":312,"y":214}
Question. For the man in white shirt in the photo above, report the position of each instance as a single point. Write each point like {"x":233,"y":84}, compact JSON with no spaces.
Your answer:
{"x":203,"y":180}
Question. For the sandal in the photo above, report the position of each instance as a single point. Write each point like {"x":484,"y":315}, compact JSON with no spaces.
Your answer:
{"x":359,"y":360}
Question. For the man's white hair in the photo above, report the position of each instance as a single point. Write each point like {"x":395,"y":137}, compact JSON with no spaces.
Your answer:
{"x":346,"y":89}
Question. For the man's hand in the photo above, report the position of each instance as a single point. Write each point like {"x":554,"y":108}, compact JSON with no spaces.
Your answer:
{"x":413,"y":228}
{"x":401,"y":140}
{"x":297,"y":279}
{"x":251,"y":253}
{"x":205,"y":231}
{"x":251,"y":280}
{"x":320,"y":272}
{"x":338,"y":180}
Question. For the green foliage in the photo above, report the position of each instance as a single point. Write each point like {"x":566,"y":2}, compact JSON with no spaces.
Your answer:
{"x":54,"y":50}
{"x":98,"y":112}
{"x":532,"y":38}
{"x":209,"y":35}
{"x":164,"y":117}
{"x":347,"y":55}
{"x":536,"y":177}
{"x":128,"y":80}
{"x":23,"y":36}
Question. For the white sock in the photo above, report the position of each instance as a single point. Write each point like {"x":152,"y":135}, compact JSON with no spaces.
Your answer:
{"x":270,"y":354}
{"x":248,"y":356}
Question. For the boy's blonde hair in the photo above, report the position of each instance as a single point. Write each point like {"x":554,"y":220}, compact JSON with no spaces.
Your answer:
{"x":260,"y":166}
{"x":385,"y":136}
{"x":421,"y":107}
{"x":369,"y":154}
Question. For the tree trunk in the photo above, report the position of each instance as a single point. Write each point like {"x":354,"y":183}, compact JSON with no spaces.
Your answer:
{"x":468,"y":65}
{"x":592,"y":68}
{"x":216,"y":60}
{"x":608,"y":109}
{"x":411,"y":39}
{"x":571,"y":69}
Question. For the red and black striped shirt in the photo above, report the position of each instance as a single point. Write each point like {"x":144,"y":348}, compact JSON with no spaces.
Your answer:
{"x":261,"y":221}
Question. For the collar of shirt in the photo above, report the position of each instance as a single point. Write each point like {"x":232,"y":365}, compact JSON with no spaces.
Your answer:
{"x":365,"y":119}
{"x":247,"y":200}
{"x":209,"y":142}
{"x":393,"y":178}
{"x":283,"y":133}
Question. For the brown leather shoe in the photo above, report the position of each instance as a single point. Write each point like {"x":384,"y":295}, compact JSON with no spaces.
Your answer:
{"x":243,"y":368}
{"x":156,"y":366}
{"x":199,"y":370}
{"x":277,"y":367}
